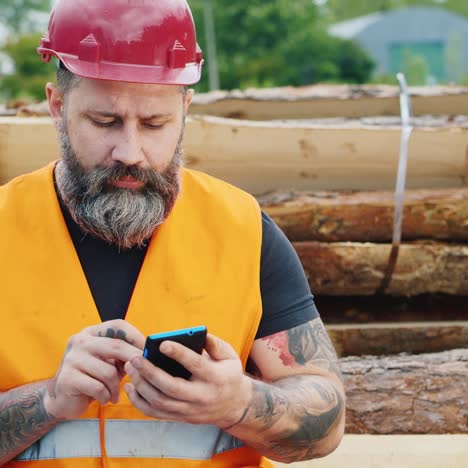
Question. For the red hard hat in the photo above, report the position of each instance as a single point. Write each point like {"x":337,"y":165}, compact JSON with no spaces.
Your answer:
{"x":140,"y":41}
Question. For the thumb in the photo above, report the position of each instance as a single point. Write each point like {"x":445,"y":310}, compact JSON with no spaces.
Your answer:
{"x":218,"y":349}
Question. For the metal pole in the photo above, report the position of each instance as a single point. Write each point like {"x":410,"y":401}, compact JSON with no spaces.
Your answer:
{"x":210,"y":33}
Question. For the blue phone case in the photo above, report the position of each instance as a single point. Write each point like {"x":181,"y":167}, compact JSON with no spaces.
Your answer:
{"x":193,"y":338}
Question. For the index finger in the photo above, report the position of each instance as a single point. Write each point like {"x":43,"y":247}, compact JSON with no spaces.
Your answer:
{"x":120,"y":330}
{"x":109,"y":349}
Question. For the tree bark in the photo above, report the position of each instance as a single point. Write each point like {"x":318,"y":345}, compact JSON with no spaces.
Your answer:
{"x":368,"y":216}
{"x":422,"y":394}
{"x":355,"y":269}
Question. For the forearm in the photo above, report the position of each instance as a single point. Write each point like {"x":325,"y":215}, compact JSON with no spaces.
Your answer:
{"x":294,"y":419}
{"x":23,"y":419}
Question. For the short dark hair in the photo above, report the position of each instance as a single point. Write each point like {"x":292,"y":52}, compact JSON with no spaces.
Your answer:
{"x":66,"y":80}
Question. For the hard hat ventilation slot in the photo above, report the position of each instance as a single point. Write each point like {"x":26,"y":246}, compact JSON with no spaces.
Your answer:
{"x":177,"y":56}
{"x":89,"y":49}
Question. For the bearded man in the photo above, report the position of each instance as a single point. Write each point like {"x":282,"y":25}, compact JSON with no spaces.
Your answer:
{"x":117,"y":241}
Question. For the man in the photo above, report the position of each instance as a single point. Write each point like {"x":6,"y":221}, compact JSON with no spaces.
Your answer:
{"x":117,"y":241}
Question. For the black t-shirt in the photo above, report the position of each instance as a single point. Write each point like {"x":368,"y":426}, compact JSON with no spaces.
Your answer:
{"x":112,"y":274}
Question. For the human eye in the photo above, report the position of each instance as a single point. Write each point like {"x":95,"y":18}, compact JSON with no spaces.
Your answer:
{"x":158,"y":126}
{"x":102,"y":123}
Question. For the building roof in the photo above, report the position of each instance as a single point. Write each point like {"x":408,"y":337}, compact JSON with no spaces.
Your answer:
{"x":351,"y":28}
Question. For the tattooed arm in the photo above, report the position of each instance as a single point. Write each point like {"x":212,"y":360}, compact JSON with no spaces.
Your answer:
{"x":90,"y":370}
{"x":297,"y":407}
{"x":23,"y":419}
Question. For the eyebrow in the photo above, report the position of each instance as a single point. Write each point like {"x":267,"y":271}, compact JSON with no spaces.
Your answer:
{"x":149,"y":117}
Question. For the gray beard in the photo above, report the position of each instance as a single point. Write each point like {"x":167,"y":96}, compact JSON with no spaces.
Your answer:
{"x":122,"y":217}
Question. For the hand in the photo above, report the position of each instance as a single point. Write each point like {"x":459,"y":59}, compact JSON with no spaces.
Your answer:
{"x":217,"y":393}
{"x":91,"y":368}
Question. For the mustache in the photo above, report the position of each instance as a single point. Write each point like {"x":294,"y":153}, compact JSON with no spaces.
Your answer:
{"x":99,"y":179}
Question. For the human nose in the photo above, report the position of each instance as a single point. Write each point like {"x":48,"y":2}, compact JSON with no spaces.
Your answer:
{"x":128,"y":148}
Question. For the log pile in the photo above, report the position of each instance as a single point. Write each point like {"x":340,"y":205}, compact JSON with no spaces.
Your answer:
{"x":327,"y":180}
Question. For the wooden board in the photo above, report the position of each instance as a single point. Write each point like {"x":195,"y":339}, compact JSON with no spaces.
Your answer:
{"x":395,"y":451}
{"x":328,"y":101}
{"x":368,"y":216}
{"x":286,"y":155}
{"x":393,"y":338}
{"x":261,"y":157}
{"x":357,"y":269}
{"x":407,"y":394}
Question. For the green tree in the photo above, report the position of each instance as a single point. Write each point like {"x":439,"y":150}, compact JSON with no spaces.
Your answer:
{"x":276,"y":43}
{"x":30,"y":73}
{"x":14,"y":14}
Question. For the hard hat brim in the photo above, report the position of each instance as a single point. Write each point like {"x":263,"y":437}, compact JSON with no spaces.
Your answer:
{"x":102,"y":70}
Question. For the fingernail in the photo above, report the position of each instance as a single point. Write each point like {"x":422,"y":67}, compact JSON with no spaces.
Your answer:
{"x":136,"y":363}
{"x":130,"y":369}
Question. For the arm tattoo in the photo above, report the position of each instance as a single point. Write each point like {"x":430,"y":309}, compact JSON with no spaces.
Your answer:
{"x":296,"y":414}
{"x":313,"y":424}
{"x":115,"y":333}
{"x":310,"y":343}
{"x":23,"y":419}
{"x":309,"y":406}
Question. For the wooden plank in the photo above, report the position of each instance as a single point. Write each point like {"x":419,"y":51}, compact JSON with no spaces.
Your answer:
{"x":395,"y":451}
{"x":368,"y":216}
{"x":394,"y":338}
{"x":25,"y":145}
{"x":328,"y":101}
{"x":261,"y":157}
{"x":407,"y":394}
{"x":357,"y":269}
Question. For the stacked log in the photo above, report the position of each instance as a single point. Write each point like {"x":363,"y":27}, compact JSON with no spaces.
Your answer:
{"x":328,"y":183}
{"x":368,"y":216}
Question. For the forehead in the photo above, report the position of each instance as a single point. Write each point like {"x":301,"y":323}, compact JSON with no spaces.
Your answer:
{"x":125,"y":98}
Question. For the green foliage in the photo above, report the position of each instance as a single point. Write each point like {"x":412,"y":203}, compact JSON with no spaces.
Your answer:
{"x":30,"y":73}
{"x":14,"y":13}
{"x":278,"y":43}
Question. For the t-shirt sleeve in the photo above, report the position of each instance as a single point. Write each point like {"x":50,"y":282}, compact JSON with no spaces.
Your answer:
{"x":286,"y":297}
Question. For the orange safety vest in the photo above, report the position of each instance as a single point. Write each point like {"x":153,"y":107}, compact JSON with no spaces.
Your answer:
{"x":202,"y":268}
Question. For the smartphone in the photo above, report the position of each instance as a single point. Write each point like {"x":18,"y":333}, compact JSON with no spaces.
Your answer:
{"x":193,"y":338}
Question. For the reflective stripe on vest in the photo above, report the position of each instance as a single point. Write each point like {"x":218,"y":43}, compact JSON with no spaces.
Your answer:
{"x":131,"y":439}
